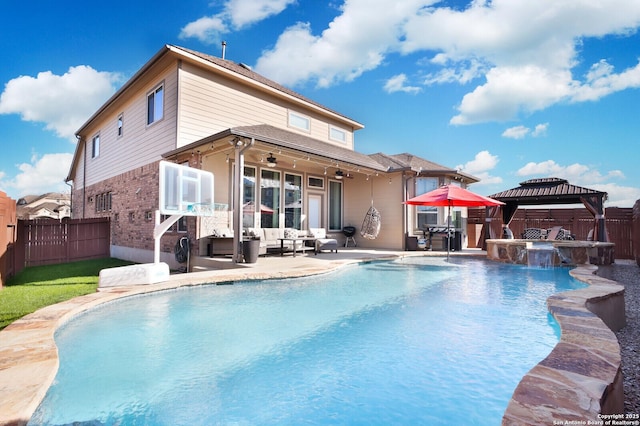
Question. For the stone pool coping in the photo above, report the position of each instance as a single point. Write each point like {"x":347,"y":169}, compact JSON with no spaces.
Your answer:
{"x":581,"y":372}
{"x":581,"y":379}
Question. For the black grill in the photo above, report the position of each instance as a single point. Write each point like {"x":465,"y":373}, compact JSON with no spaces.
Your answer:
{"x":349,"y":231}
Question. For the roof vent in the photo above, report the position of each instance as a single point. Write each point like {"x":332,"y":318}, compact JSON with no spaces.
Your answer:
{"x":224,"y":48}
{"x":245,"y":66}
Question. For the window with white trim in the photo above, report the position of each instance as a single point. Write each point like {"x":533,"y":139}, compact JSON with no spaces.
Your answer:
{"x":299,"y":121}
{"x":338,"y":135}
{"x":95,"y":146}
{"x":155,"y":105}
{"x":293,"y":201}
{"x":426,"y":215}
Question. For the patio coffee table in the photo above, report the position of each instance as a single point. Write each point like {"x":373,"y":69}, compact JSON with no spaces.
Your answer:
{"x":293,"y":240}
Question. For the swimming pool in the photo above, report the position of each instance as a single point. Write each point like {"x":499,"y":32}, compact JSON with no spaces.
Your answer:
{"x":384,"y":342}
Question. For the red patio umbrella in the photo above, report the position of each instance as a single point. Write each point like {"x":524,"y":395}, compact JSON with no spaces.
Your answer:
{"x":452,"y":196}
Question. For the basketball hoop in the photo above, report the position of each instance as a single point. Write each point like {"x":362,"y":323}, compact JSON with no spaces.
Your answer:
{"x":203,"y":209}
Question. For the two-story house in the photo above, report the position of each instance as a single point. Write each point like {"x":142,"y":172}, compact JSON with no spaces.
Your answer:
{"x":300,"y":167}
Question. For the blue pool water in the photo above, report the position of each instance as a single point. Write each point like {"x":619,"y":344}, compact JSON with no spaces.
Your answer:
{"x":381,"y":343}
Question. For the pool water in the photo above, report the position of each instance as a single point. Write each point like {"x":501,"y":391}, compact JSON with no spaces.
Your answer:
{"x":401,"y":342}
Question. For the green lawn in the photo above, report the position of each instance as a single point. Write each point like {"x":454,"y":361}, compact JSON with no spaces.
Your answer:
{"x":39,"y":286}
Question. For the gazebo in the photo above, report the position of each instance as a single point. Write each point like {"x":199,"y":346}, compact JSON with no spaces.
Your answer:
{"x":548,"y":191}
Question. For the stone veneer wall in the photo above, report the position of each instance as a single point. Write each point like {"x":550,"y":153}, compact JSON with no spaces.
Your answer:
{"x":134,"y":200}
{"x":581,"y":379}
{"x":568,"y":253}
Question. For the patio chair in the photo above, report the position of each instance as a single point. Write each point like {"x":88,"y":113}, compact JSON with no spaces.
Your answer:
{"x":322,"y":242}
{"x":534,"y":234}
{"x":559,"y":233}
{"x":554,"y":233}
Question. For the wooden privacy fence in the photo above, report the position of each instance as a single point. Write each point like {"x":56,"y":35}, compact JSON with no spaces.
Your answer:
{"x":7,"y":235}
{"x":579,"y":221}
{"x":49,"y":241}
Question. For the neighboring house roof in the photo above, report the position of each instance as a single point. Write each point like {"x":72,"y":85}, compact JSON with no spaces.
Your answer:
{"x":289,"y":140}
{"x":546,"y":191}
{"x":45,"y":205}
{"x":417,"y":164}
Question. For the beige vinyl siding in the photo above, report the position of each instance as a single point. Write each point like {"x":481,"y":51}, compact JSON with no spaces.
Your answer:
{"x":210,"y":103}
{"x":387,"y":199}
{"x":140,"y":144}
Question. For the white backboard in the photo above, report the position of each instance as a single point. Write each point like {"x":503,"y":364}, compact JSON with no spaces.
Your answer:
{"x":185,"y":191}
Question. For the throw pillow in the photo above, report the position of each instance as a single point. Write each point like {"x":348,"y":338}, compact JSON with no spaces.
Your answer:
{"x":290,"y":233}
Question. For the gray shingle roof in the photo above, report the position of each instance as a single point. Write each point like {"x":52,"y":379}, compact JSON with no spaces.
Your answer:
{"x":406,"y":161}
{"x":290,"y":140}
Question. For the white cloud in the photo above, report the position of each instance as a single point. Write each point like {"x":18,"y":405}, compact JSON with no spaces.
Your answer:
{"x":246,"y":12}
{"x":62,"y":102}
{"x":236,"y":14}
{"x":540,"y":130}
{"x":588,"y":177}
{"x":520,"y":132}
{"x":618,"y":195}
{"x":517,"y":132}
{"x":43,"y":174}
{"x":511,"y":90}
{"x":206,"y":29}
{"x":602,"y":81}
{"x":463,"y":73}
{"x":398,"y":83}
{"x":483,"y":161}
{"x":481,"y":166}
{"x":356,"y":41}
{"x":527,"y":63}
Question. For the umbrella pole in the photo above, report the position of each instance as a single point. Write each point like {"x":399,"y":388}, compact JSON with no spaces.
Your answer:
{"x":449,"y":230}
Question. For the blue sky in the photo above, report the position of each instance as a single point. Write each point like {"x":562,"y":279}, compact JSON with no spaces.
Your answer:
{"x":506,"y":90}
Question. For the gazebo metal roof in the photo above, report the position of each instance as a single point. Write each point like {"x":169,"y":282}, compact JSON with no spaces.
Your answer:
{"x":546,"y":191}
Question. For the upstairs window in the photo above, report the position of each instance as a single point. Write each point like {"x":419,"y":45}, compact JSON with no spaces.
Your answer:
{"x":155,"y":105}
{"x":95,"y":146}
{"x":337,"y":135}
{"x":120,"y":124}
{"x":299,"y":121}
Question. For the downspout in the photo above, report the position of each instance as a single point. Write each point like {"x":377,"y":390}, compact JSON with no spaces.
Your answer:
{"x":70,"y":198}
{"x":405,"y":216}
{"x":240,"y":147}
{"x":84,"y":177}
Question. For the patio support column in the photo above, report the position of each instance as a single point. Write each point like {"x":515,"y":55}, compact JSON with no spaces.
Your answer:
{"x":240,"y":147}
{"x":405,"y":216}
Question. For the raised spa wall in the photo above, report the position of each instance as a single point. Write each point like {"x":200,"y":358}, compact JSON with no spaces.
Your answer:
{"x":581,"y":379}
{"x":561,"y":253}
